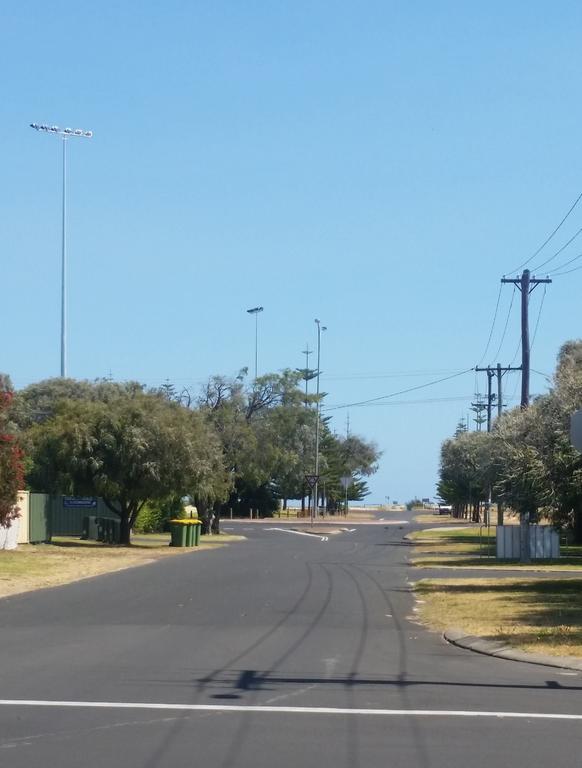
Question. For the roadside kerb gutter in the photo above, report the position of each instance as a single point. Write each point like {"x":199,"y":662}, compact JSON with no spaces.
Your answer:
{"x":502,"y":650}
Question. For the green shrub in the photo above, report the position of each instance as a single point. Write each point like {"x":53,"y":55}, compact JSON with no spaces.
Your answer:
{"x":154,"y":516}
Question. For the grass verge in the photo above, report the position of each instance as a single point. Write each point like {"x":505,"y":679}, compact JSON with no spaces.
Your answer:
{"x":69,"y":559}
{"x":432,"y":519}
{"x":540,"y":615}
{"x":474,"y":548}
{"x":468,"y":541}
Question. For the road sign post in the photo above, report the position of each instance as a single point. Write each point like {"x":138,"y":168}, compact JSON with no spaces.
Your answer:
{"x":346,"y":481}
{"x":311,"y":481}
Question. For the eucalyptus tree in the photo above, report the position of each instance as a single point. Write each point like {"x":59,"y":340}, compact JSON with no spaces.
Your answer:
{"x":130,"y":450}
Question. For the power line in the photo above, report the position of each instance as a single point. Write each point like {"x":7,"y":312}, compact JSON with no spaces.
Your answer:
{"x":559,"y":251}
{"x":539,"y":315}
{"x":541,"y":373}
{"x":513,"y":394}
{"x":496,"y":355}
{"x":453,"y":399}
{"x":393,"y":375}
{"x":516,"y":351}
{"x":567,"y":272}
{"x":547,"y":240}
{"x":400,"y":392}
{"x":567,"y":263}
{"x":429,"y":400}
{"x":492,"y":324}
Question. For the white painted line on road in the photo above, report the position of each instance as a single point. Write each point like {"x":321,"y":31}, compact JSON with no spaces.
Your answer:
{"x":300,"y":533}
{"x":289,"y":710}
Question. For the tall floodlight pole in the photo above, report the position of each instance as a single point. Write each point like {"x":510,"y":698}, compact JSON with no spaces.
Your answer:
{"x":255,"y":311}
{"x":307,"y":352}
{"x":320,"y":328}
{"x":64,"y":133}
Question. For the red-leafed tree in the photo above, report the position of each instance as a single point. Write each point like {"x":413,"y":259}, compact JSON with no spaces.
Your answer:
{"x":11,"y":464}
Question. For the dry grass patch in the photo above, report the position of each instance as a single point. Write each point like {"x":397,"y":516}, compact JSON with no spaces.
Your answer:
{"x":38,"y":566}
{"x":472,"y":541}
{"x":538,"y":615}
{"x":432,"y":519}
{"x":474,"y":547}
{"x":477,"y":563}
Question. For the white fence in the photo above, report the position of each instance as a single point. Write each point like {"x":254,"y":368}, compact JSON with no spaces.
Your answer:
{"x":19,"y":530}
{"x":544,"y":542}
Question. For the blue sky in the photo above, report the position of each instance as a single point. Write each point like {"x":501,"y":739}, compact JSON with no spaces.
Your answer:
{"x":378,"y":165}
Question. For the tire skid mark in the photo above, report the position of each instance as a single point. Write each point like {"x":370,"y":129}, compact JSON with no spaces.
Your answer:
{"x":419,"y":740}
{"x":242,"y":733}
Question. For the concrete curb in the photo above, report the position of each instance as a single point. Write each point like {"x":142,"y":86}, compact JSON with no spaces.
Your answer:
{"x":504,"y":651}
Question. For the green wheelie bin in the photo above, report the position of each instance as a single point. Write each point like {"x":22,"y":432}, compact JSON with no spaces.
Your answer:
{"x":193,"y":532}
{"x":178,"y":533}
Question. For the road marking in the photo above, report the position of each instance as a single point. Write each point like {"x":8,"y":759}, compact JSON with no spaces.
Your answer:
{"x":300,"y":533}
{"x":289,"y":710}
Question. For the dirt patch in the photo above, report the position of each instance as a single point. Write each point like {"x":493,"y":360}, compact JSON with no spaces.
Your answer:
{"x":39,"y":566}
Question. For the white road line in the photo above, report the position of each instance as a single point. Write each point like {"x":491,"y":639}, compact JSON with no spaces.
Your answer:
{"x":300,"y":533}
{"x":289,"y":710}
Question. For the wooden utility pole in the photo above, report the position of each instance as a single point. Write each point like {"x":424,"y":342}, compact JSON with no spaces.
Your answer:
{"x":491,"y":372}
{"x":526,"y":284}
{"x":490,"y":397}
{"x":499,"y":412}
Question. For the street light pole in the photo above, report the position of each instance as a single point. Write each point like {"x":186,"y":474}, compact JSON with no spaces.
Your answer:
{"x":64,"y":268}
{"x":320,"y":328}
{"x":64,"y":133}
{"x":255,"y":311}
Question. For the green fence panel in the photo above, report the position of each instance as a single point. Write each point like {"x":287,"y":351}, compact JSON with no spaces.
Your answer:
{"x":40,"y":518}
{"x":67,"y":520}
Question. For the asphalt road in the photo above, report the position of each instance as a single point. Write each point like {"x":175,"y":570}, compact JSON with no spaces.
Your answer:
{"x":283,"y":650}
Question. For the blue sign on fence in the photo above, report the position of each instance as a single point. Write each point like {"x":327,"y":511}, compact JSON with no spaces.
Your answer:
{"x":79,"y":502}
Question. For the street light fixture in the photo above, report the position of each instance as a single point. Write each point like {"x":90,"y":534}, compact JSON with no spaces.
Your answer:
{"x":64,"y":133}
{"x":255,"y":311}
{"x":320,"y":328}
